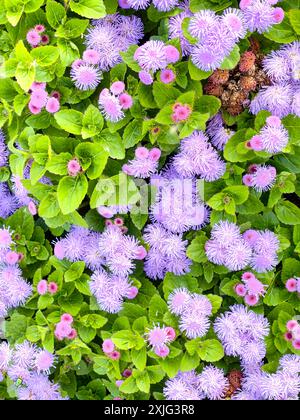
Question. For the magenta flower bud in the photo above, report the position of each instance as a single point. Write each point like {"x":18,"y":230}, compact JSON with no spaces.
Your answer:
{"x":291,"y":285}
{"x":245,"y":3}
{"x":291,"y":325}
{"x":132,"y":292}
{"x":73,"y":334}
{"x":167,"y":76}
{"x":141,"y":254}
{"x":108,"y":346}
{"x":288,"y":336}
{"x":91,"y":56}
{"x":248,"y":276}
{"x":77,"y":63}
{"x":42,"y":287}
{"x":251,"y":300}
{"x":256,"y":143}
{"x":32,"y":208}
{"x":296,"y":344}
{"x":248,"y":180}
{"x":119,"y":221}
{"x":11,"y":257}
{"x":52,"y":105}
{"x":55,"y":95}
{"x":124,"y":229}
{"x":37,"y":85}
{"x":39,"y":98}
{"x":59,"y":251}
{"x":146,"y":78}
{"x":33,"y":38}
{"x":127,"y":373}
{"x":34,"y":109}
{"x":117,"y":88}
{"x":155,"y":154}
{"x":67,"y":318}
{"x":39,"y":28}
{"x":108,"y":223}
{"x":171,"y":334}
{"x":162,"y":351}
{"x":126,"y":101}
{"x":172,"y":54}
{"x":45,"y":39}
{"x":115,"y":355}
{"x":278,"y":14}
{"x":240,"y":290}
{"x":52,"y":288}
{"x":141,"y":153}
{"x":74,"y":167}
{"x":124,"y":4}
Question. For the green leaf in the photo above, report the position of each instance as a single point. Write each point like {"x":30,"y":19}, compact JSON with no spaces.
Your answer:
{"x":71,"y":304}
{"x":133,"y":133}
{"x":45,"y":56}
{"x":171,"y":282}
{"x":164,"y":94}
{"x":112,"y":143}
{"x":49,"y":206}
{"x":33,"y":333}
{"x":74,"y":272}
{"x":69,"y":120}
{"x":232,"y":60}
{"x":129,"y":386}
{"x":92,"y":9}
{"x":189,"y":362}
{"x":197,"y":74}
{"x":239,"y":193}
{"x":128,"y":58}
{"x":92,"y":122}
{"x":58,"y":164}
{"x":156,"y":374}
{"x":70,"y":192}
{"x":55,"y":13}
{"x":25,"y":75}
{"x":124,"y":339}
{"x":143,"y":381}
{"x":139,"y":358}
{"x":93,"y":320}
{"x":157,"y":308}
{"x":21,"y":222}
{"x":73,"y":28}
{"x":210,"y":351}
{"x":208,"y":105}
{"x":87,"y":334}
{"x":45,"y":301}
{"x":282,"y":33}
{"x":287,"y":212}
{"x":216,"y":302}
{"x":98,"y":156}
{"x":195,"y":250}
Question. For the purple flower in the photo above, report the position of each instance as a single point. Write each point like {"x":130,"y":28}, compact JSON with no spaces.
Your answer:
{"x":178,"y":300}
{"x":138,"y":4}
{"x":213,"y":383}
{"x":263,"y":178}
{"x":277,"y":67}
{"x":181,"y":388}
{"x":202,"y":22}
{"x":131,"y":28}
{"x":206,"y":59}
{"x":218,"y":134}
{"x":274,"y":139}
{"x":144,"y":164}
{"x":225,"y":232}
{"x":175,"y":31}
{"x":259,"y":16}
{"x":110,"y":106}
{"x":146,"y":78}
{"x":296,"y":103}
{"x":3,"y":150}
{"x":86,"y":77}
{"x":234,"y":21}
{"x":165,"y":5}
{"x":5,"y":356}
{"x":9,"y":202}
{"x":151,"y":56}
{"x":276,"y":99}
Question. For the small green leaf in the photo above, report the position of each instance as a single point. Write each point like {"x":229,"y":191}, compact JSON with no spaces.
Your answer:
{"x":70,"y":192}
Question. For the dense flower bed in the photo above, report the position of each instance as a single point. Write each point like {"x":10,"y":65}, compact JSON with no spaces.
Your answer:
{"x":149,"y":200}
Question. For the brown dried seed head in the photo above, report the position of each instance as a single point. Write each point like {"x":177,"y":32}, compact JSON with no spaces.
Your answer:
{"x":219,"y":77}
{"x":215,"y":90}
{"x":248,"y":83}
{"x":247,"y":61}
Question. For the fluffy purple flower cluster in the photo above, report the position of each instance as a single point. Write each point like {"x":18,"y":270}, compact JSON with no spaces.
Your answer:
{"x":114,"y":101}
{"x":111,"y":250}
{"x":273,"y":137}
{"x":261,"y":177}
{"x":110,"y":211}
{"x":218,"y":34}
{"x":28,"y":367}
{"x":159,"y":338}
{"x":153,"y":56}
{"x":242,"y":333}
{"x":217,"y":132}
{"x":3,"y":150}
{"x":193,"y":310}
{"x":14,"y":290}
{"x":235,"y":251}
{"x":161,"y":5}
{"x":283,"y":96}
{"x":110,"y":290}
{"x":210,"y":384}
{"x":144,"y":164}
{"x":197,"y":157}
{"x":177,"y":206}
{"x":167,"y":252}
{"x":282,"y":385}
{"x":105,"y":40}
